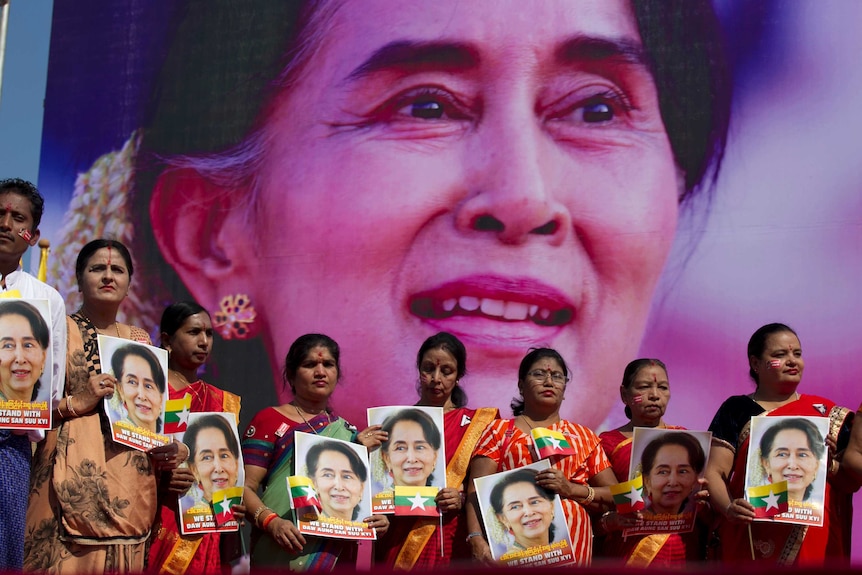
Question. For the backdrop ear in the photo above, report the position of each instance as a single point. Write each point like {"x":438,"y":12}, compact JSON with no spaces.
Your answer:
{"x":200,"y":229}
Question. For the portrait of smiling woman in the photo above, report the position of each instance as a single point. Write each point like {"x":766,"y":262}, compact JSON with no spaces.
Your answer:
{"x":508,"y":172}
{"x":24,"y":345}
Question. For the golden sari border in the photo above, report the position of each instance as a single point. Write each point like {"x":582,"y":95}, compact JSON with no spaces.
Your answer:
{"x":646,"y":550}
{"x":181,"y":555}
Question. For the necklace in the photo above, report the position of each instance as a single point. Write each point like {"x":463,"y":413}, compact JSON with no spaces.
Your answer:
{"x":299,"y":411}
{"x":188,"y":386}
{"x":794,"y":397}
{"x":99,"y":330}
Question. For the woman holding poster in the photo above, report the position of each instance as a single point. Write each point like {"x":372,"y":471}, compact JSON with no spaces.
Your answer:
{"x":776,"y":366}
{"x":415,"y":543}
{"x":105,"y":526}
{"x":507,"y":444}
{"x":311,"y":370}
{"x":645,"y":391}
{"x":187,"y":333}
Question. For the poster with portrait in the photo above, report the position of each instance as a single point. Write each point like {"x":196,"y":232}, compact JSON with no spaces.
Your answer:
{"x":339,"y":473}
{"x":414,"y":455}
{"x":215,"y":460}
{"x":792,"y":449}
{"x":136,"y":410}
{"x":26,"y":357}
{"x":524,"y":523}
{"x":671,"y":461}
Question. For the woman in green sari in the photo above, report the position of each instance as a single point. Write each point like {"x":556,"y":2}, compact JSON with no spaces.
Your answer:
{"x":312,"y":371}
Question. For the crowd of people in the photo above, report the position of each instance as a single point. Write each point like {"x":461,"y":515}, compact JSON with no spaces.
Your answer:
{"x":86,"y":503}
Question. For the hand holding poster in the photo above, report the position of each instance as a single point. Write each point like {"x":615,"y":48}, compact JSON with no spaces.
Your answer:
{"x":338,"y":472}
{"x":136,"y":409}
{"x":215,"y":461}
{"x":26,"y":357}
{"x":670,"y":462}
{"x":791,"y":449}
{"x":524,"y":522}
{"x":413,"y":455}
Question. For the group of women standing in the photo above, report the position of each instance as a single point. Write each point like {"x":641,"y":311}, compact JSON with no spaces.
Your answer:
{"x":99,"y":506}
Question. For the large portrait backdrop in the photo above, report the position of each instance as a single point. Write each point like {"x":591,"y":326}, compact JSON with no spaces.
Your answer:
{"x":373,"y":172}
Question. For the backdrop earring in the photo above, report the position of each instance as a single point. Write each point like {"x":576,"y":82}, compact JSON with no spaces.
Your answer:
{"x":235,"y":317}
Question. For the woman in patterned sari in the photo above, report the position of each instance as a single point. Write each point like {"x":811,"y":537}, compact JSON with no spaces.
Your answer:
{"x":415,"y":543}
{"x":187,"y":333}
{"x":645,"y":391}
{"x":507,"y":444}
{"x":93,"y":501}
{"x":776,"y":366}
{"x":311,"y":370}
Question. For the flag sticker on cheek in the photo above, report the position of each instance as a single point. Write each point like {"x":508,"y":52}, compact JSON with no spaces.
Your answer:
{"x":775,"y":363}
{"x":638,"y":399}
{"x":26,"y":235}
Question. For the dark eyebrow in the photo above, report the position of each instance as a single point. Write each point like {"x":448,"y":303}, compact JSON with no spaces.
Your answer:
{"x":592,"y":49}
{"x":410,"y":56}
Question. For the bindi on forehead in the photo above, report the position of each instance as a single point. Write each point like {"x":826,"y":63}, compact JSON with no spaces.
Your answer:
{"x":109,"y":255}
{"x":8,"y":207}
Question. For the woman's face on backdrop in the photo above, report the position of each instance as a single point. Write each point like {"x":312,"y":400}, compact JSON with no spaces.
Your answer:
{"x":526,"y":513}
{"x":410,"y":457}
{"x":498,"y":170}
{"x":671,"y":479}
{"x":141,"y":395}
{"x":792,"y":459}
{"x":22,"y":357}
{"x":337,"y":484}
{"x":214,"y":465}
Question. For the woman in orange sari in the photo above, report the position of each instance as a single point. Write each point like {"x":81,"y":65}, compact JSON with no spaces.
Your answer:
{"x":92,"y":500}
{"x":415,"y":543}
{"x":507,"y":444}
{"x":645,"y":391}
{"x":776,"y":366}
{"x":187,"y":333}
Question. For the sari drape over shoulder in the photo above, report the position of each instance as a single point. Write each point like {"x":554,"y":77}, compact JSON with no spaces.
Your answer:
{"x":415,"y":543}
{"x":269,"y":443}
{"x":170,"y":551}
{"x":511,"y":448}
{"x":92,"y":501}
{"x":782,"y":543}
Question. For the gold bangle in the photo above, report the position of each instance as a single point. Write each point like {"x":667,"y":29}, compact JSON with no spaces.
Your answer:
{"x":257,"y":514}
{"x":591,"y":494}
{"x":69,"y":407}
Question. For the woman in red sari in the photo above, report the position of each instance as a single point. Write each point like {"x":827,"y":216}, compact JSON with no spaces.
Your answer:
{"x":645,"y":391}
{"x":507,"y":444}
{"x":187,"y":334}
{"x":441,"y":362}
{"x":776,"y":366}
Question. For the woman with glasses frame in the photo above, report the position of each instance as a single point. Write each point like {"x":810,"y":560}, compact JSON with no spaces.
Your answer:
{"x":581,"y":479}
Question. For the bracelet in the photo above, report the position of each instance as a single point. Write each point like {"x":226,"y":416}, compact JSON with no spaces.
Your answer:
{"x":269,"y":518}
{"x":474,"y":534}
{"x":69,"y":407}
{"x":603,"y":521}
{"x":591,"y":494}
{"x":834,"y":467}
{"x":257,"y":513}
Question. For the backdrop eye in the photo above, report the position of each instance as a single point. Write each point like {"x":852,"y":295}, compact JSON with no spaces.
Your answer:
{"x":428,"y":109}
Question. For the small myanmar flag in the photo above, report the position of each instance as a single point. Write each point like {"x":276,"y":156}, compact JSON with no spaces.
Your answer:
{"x":768,"y":500}
{"x":303,"y":497}
{"x":416,"y":501}
{"x":549,"y":442}
{"x":222,"y":501}
{"x":629,"y":495}
{"x":177,"y":414}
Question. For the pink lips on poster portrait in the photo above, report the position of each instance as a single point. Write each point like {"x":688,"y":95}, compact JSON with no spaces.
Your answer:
{"x":495,"y":311}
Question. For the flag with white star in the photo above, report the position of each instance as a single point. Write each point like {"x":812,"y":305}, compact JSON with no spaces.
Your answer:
{"x":177,"y":414}
{"x":303,"y":497}
{"x":550,"y":442}
{"x":629,"y":495}
{"x":416,"y":501}
{"x":223,"y":499}
{"x":769,"y":500}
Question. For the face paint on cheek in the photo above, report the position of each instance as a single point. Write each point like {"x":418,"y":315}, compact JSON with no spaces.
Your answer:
{"x":775,"y":363}
{"x":26,"y":235}
{"x":638,"y":399}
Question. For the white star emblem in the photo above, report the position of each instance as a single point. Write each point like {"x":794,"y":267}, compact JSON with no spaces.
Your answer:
{"x":465,"y":420}
{"x":224,"y":504}
{"x":184,"y":416}
{"x":418,"y":502}
{"x":555,"y":442}
{"x":635,"y":495}
{"x":771,"y":501}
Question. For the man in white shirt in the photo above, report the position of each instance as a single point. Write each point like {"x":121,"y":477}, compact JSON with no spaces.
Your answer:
{"x":21,"y":207}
